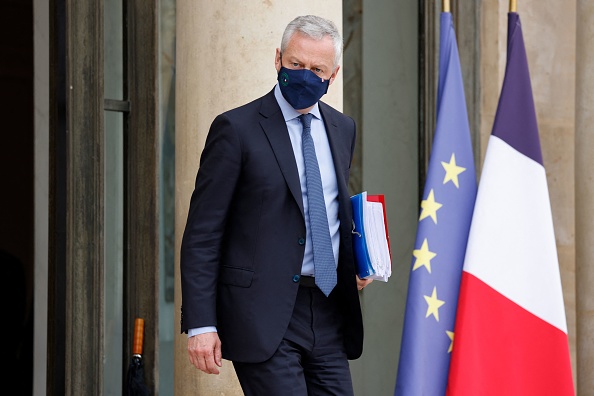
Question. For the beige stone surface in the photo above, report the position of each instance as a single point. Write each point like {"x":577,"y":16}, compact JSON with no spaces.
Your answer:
{"x":584,"y":203}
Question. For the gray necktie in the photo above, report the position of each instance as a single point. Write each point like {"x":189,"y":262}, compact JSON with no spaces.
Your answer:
{"x":324,"y":264}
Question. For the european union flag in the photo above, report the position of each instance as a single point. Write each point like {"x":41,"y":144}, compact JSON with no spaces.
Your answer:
{"x":444,"y":223}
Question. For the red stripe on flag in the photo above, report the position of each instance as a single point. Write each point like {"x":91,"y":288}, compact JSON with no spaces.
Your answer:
{"x":502,"y":349}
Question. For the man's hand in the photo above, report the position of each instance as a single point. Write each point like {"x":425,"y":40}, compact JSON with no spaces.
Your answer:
{"x":361,"y":283}
{"x":205,"y":352}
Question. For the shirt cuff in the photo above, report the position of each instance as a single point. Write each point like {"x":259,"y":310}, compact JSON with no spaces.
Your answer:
{"x":201,"y":330}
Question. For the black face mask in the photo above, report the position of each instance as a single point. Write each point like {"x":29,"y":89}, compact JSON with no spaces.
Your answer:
{"x":302,"y":88}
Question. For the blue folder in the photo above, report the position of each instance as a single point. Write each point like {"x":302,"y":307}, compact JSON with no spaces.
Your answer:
{"x":364,"y":265}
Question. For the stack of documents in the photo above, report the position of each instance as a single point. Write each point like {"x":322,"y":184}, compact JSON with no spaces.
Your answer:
{"x":371,"y":241}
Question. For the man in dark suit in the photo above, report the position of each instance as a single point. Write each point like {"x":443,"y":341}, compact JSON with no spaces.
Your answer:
{"x":252,"y":292}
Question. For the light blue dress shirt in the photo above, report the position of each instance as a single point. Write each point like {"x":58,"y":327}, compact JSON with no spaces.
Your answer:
{"x":327,"y":172}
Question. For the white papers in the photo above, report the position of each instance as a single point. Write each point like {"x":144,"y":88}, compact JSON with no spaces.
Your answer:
{"x":377,"y":240}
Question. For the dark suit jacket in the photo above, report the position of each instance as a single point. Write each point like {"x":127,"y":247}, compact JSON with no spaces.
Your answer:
{"x":244,"y":239}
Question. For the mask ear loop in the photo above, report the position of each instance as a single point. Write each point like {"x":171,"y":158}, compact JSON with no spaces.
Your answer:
{"x":355,"y":232}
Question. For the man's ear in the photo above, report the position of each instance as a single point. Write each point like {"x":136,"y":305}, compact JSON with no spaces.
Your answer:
{"x":334,"y":74}
{"x":277,"y":60}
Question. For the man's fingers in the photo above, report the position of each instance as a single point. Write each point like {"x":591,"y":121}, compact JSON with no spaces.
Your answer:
{"x":206,"y":363}
{"x":218,"y":356}
{"x":205,"y":352}
{"x":361,"y":283}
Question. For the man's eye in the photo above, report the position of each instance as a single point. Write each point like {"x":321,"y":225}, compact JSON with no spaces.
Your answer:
{"x":295,"y":64}
{"x":318,"y":70}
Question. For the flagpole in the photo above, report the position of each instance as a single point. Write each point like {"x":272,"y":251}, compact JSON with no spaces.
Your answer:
{"x":513,"y":5}
{"x":445,"y":5}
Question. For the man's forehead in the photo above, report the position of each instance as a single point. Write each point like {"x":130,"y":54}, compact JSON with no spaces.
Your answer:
{"x":308,"y":47}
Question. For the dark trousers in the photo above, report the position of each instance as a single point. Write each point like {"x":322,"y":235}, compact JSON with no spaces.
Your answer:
{"x":310,"y":360}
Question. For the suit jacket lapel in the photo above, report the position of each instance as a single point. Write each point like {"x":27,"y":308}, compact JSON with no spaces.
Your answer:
{"x":275,"y":128}
{"x":341,"y":156}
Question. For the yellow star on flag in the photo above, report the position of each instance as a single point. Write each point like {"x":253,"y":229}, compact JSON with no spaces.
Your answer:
{"x":430,"y":207}
{"x":423,"y":256}
{"x":433,"y":305}
{"x":451,"y":335}
{"x":452,"y":171}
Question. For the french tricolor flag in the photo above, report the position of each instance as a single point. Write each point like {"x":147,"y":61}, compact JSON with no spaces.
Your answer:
{"x":511,"y":334}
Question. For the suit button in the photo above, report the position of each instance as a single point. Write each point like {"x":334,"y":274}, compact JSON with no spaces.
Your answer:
{"x":296,"y":278}
{"x":301,"y":241}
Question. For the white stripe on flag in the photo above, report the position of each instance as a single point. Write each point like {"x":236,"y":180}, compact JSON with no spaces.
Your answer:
{"x":520,"y":261}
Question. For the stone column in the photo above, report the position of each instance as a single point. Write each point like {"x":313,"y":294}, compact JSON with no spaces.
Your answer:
{"x":224,"y":58}
{"x":584,"y":196}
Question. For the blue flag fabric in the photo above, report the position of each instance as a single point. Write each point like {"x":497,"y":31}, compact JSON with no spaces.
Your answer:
{"x":444,"y":222}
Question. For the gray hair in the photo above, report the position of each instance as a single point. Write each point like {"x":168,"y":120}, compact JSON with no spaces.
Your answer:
{"x":315,"y":27}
